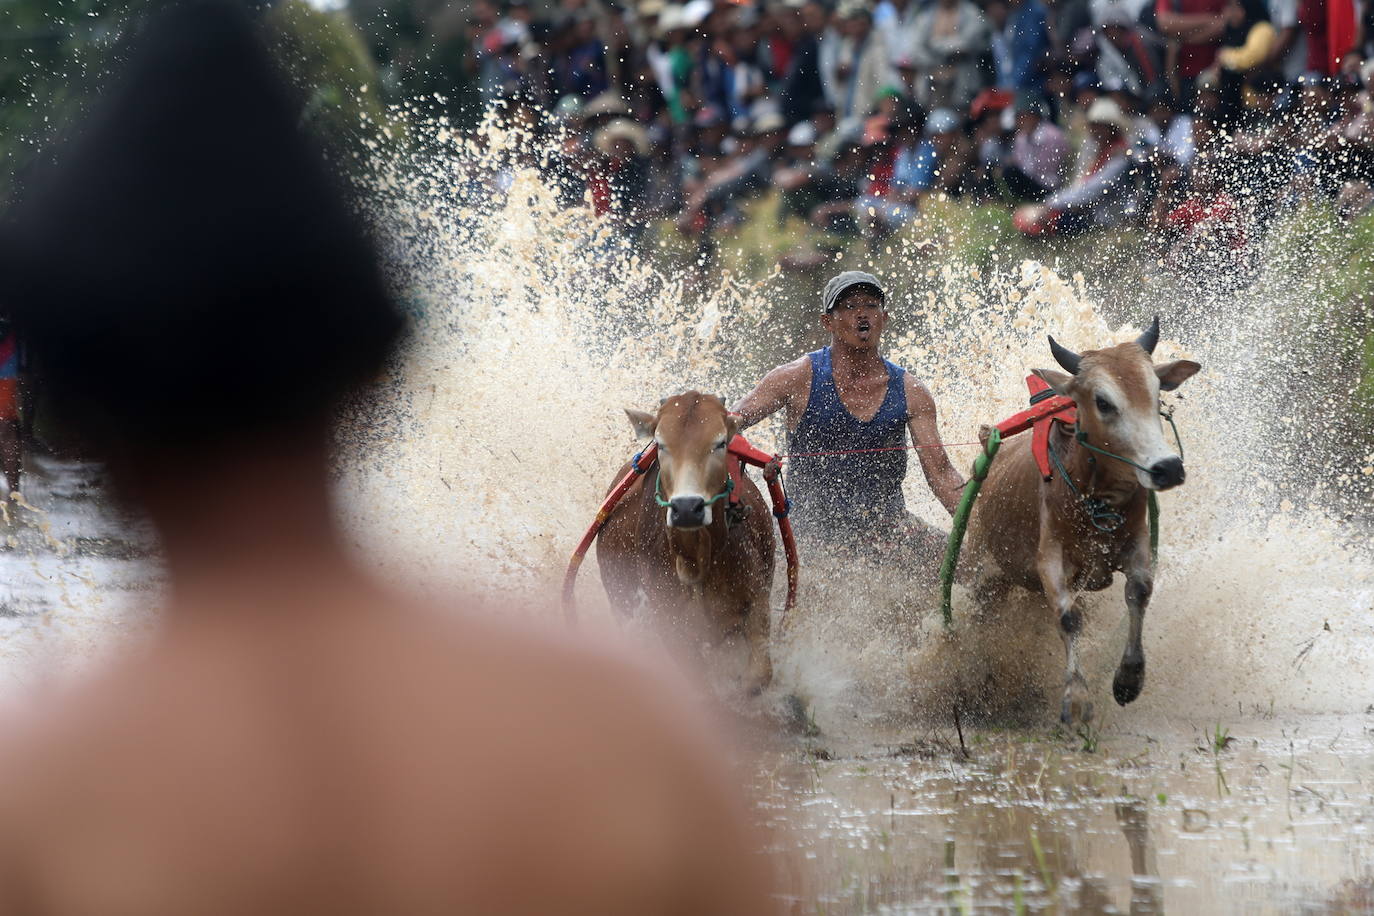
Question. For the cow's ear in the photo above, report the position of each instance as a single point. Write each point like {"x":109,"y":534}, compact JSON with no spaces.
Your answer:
{"x":1175,"y":373}
{"x":732,"y":424}
{"x":642,"y":422}
{"x":1059,"y":381}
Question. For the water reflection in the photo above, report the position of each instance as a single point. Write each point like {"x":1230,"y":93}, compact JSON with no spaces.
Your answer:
{"x":1146,"y":825}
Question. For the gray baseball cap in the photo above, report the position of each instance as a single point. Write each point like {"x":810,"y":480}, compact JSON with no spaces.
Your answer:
{"x":846,"y":281}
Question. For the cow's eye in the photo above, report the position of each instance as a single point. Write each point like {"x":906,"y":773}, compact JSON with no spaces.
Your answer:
{"x":1104,"y":405}
{"x":720,"y":445}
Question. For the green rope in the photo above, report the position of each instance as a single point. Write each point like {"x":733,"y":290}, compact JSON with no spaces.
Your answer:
{"x":658,"y":491}
{"x":981,"y":464}
{"x":1082,"y":438}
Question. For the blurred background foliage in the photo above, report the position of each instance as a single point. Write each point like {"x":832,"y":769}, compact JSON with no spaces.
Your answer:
{"x":56,"y":54}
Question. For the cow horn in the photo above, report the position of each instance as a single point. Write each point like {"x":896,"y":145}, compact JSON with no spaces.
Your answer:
{"x":1150,"y":339}
{"x":1065,"y":357}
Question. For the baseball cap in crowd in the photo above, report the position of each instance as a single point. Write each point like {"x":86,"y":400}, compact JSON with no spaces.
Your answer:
{"x":843,"y":283}
{"x":941,"y":121}
{"x":1107,"y":111}
{"x":803,"y":133}
{"x":768,"y":122}
{"x":990,"y":100}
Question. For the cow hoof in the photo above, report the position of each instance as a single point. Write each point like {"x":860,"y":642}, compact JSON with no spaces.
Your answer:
{"x":1075,"y":712}
{"x":1129,"y":681}
{"x":1076,"y":707}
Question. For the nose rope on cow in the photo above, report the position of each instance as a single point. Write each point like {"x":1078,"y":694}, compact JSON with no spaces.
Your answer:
{"x":667,"y":503}
{"x":1082,"y":437}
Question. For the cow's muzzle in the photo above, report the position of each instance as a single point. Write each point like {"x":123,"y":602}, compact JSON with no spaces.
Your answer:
{"x":687,"y":512}
{"x":1167,"y":473}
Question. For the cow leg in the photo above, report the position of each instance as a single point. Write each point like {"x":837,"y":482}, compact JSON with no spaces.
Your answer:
{"x":756,"y":626}
{"x":1055,"y":579}
{"x":1140,"y":584}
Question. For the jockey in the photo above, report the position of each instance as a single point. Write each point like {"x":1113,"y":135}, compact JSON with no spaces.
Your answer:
{"x":855,"y":499}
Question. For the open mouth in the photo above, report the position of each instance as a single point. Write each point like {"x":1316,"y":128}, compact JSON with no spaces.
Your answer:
{"x":864,"y":327}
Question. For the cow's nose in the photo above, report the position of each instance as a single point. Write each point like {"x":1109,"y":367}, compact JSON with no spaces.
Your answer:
{"x":1167,"y":473}
{"x":687,"y":512}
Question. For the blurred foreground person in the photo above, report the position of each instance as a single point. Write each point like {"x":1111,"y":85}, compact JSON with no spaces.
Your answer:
{"x":296,"y":739}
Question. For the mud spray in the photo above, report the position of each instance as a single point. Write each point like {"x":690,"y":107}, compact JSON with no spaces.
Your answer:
{"x":534,"y":326}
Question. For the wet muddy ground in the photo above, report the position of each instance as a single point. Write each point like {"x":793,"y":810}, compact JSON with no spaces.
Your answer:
{"x":76,"y":574}
{"x":1247,"y":816}
{"x":1266,"y":814}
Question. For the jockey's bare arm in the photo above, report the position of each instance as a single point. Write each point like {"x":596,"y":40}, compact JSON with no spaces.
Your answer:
{"x":944,"y":481}
{"x":778,"y":389}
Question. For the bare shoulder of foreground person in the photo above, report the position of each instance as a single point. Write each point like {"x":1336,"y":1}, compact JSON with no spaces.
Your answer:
{"x":296,"y":738}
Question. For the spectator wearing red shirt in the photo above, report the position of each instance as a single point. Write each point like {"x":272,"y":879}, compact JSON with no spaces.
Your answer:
{"x":1199,"y":25}
{"x":1329,"y":27}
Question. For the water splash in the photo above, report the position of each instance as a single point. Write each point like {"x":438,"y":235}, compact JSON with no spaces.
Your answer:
{"x":534,"y":326}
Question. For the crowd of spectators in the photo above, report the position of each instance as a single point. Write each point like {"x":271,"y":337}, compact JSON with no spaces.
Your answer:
{"x":1195,"y":118}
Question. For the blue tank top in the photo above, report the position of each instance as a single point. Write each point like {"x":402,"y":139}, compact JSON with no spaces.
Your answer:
{"x":847,"y":493}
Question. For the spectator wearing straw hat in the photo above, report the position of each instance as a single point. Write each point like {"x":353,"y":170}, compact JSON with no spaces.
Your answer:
{"x":619,"y":173}
{"x":1097,"y":197}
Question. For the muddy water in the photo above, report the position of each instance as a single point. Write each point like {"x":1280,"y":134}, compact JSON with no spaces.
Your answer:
{"x":494,"y":437}
{"x":1250,"y":816}
{"x":535,"y":327}
{"x":77,"y":578}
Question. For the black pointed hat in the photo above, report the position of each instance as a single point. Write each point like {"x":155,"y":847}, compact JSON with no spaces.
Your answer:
{"x":188,"y":269}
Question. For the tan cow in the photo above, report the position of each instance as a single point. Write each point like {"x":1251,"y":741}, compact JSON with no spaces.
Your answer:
{"x":674,"y":545}
{"x":1063,"y":537}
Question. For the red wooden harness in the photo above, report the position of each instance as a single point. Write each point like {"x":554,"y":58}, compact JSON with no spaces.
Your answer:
{"x":1047,"y":408}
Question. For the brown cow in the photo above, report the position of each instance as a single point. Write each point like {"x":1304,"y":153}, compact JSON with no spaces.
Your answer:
{"x":673,"y":544}
{"x":1049,"y":536}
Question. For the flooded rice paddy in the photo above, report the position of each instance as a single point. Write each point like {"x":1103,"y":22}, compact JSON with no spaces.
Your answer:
{"x":1248,"y":810}
{"x":1256,"y":815}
